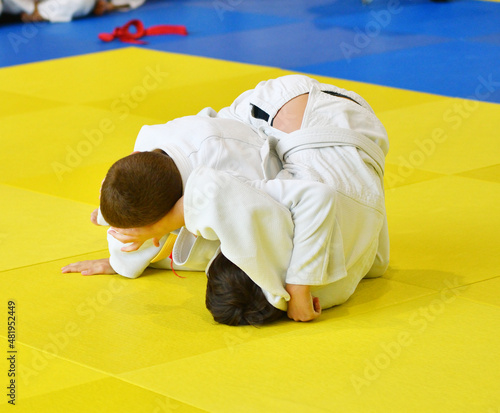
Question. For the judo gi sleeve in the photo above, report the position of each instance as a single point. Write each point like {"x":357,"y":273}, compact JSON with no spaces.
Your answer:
{"x":254,"y":230}
{"x":132,"y":264}
{"x":313,"y":207}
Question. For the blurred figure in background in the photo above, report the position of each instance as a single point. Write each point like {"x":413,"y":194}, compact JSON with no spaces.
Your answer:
{"x":58,"y":11}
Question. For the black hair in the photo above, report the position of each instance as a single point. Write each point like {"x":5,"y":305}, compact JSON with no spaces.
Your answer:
{"x":234,"y":299}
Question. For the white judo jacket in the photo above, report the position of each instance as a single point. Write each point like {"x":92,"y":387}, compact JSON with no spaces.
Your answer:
{"x":344,"y":125}
{"x":322,"y":221}
{"x":193,"y":141}
{"x":293,"y":229}
{"x":287,"y":231}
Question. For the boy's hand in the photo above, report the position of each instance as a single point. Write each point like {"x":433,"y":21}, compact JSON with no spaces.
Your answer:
{"x":90,"y":267}
{"x":302,"y":305}
{"x":137,"y":236}
{"x":174,"y":219}
{"x":93,"y":216}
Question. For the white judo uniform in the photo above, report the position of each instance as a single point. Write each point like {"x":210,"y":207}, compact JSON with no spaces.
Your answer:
{"x":317,"y":219}
{"x":193,"y":141}
{"x":132,"y":4}
{"x":55,"y":11}
{"x":322,"y":220}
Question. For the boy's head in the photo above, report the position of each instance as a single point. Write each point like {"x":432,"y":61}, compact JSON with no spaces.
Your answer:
{"x":234,"y":299}
{"x":140,"y":189}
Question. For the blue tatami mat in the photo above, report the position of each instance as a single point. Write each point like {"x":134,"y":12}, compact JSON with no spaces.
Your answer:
{"x":449,"y":48}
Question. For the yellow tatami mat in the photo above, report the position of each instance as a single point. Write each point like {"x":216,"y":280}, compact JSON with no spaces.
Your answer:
{"x":423,"y":338}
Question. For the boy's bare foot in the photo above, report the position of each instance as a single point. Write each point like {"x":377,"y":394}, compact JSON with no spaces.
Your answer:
{"x":33,"y":17}
{"x":101,"y":7}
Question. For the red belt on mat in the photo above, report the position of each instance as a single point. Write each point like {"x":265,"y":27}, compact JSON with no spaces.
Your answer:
{"x":123,"y":33}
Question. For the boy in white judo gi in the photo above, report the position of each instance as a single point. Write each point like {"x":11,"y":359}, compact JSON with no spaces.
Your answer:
{"x":144,"y":188}
{"x":331,"y":183}
{"x":56,"y":11}
{"x":61,"y":11}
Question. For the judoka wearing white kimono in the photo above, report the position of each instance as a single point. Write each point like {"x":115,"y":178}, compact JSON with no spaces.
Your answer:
{"x":56,"y":11}
{"x":320,"y":222}
{"x":193,"y":141}
{"x":331,"y":188}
